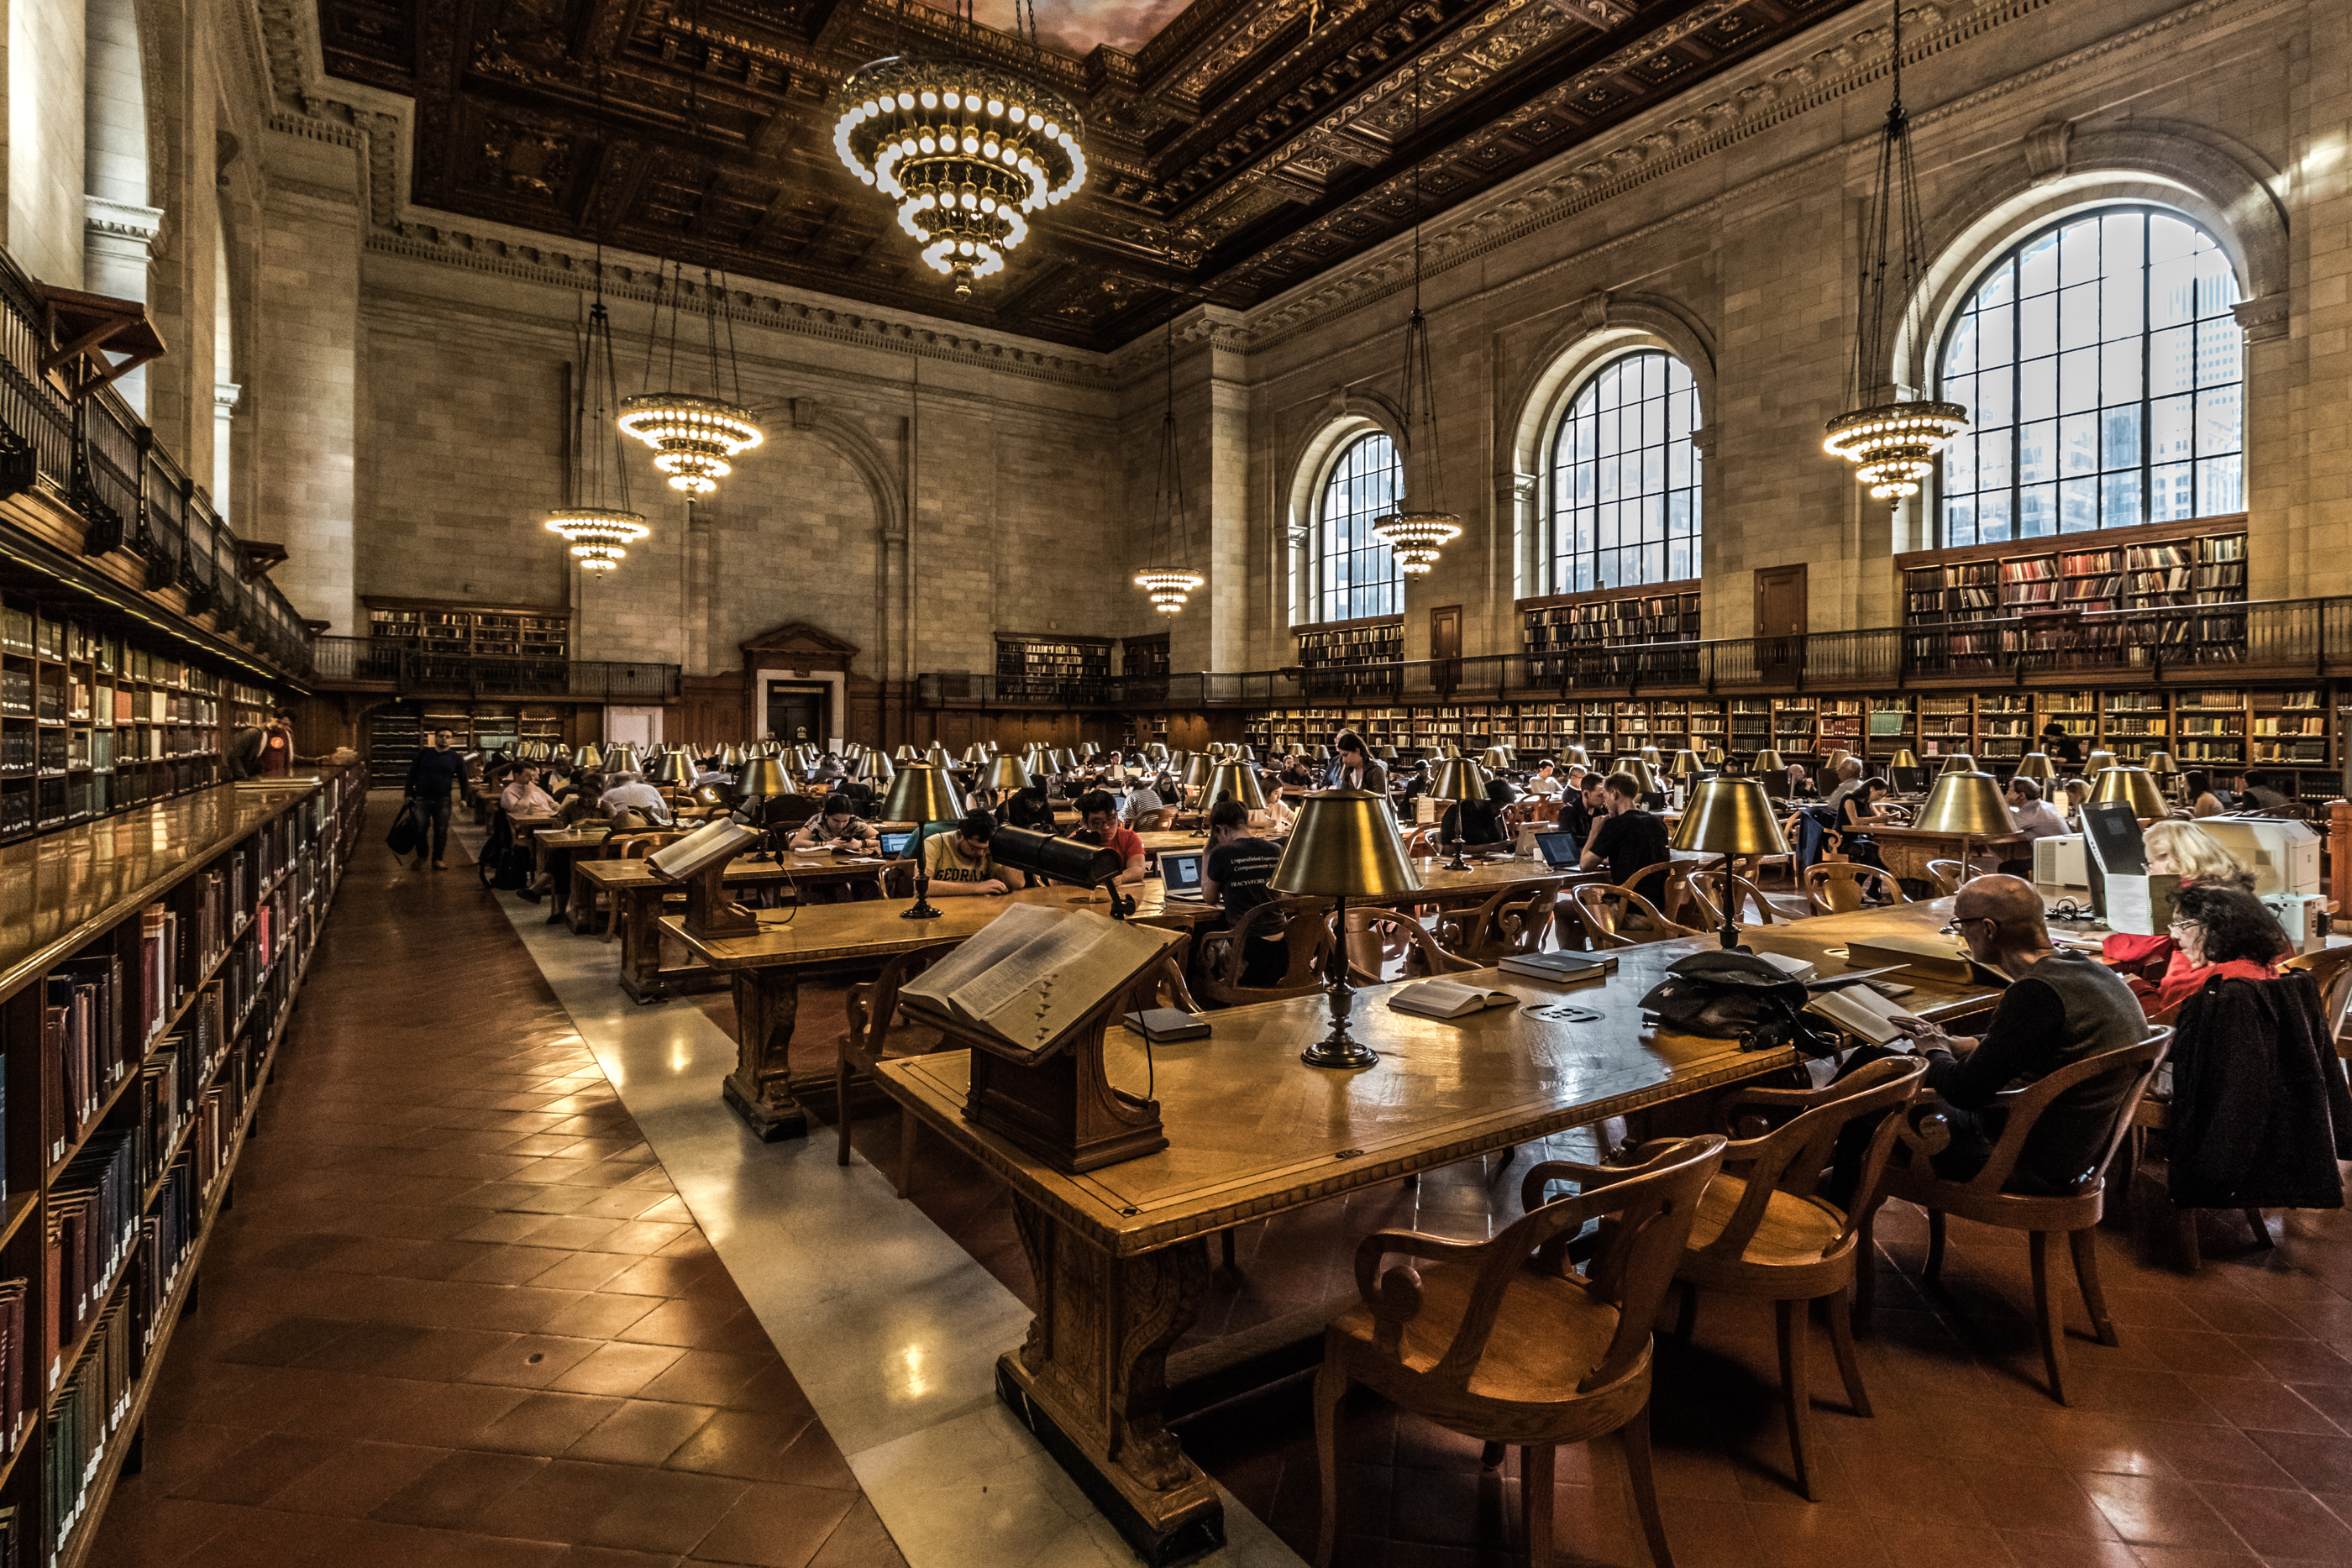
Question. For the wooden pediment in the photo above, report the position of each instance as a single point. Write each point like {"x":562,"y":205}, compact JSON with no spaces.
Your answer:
{"x":797,"y":645}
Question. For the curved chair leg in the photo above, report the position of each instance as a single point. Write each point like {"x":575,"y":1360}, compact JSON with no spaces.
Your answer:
{"x":2049,"y":1312}
{"x":1842,"y":1343}
{"x":2261,"y":1229}
{"x":1330,"y":1388}
{"x":841,"y":1111}
{"x":1635,"y":1434}
{"x":1796,"y":1388}
{"x":1535,"y":1502}
{"x":1934,"y":1246}
{"x":1865,"y":1278}
{"x":2084,"y":1244}
{"x":907,"y":1127}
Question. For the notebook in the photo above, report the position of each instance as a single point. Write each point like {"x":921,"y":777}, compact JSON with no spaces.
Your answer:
{"x":1180,"y":873}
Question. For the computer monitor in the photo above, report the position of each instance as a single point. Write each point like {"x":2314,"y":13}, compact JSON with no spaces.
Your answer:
{"x":1776,"y":783}
{"x":1560,"y":850}
{"x":895,"y":844}
{"x":1180,"y":873}
{"x":2112,"y":848}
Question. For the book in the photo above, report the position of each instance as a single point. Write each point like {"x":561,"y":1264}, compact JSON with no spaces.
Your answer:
{"x":1858,"y":1011}
{"x":1448,"y":999}
{"x":1795,"y":969}
{"x":1165,"y":1026}
{"x":1924,"y":957}
{"x":1030,"y":975}
{"x":1560,"y":968}
{"x":705,"y":847}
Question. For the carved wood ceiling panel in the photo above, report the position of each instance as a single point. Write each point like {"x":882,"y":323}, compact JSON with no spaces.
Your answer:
{"x":1246,"y":147}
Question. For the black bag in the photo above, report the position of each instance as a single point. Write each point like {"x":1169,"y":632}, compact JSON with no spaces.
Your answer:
{"x":407,"y":834}
{"x":511,"y":867}
{"x":1736,"y":996}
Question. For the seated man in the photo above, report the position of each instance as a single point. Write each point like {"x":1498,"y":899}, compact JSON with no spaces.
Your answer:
{"x":1478,"y":824}
{"x":1146,"y":811}
{"x":522,"y":797}
{"x":584,"y":802}
{"x":960,"y":865}
{"x":1547,"y":779}
{"x":2034,"y":819}
{"x":2059,"y":1007}
{"x":1629,"y":839}
{"x":632,"y":803}
{"x":1029,"y":808}
{"x":1098,"y":823}
{"x":836,"y":826}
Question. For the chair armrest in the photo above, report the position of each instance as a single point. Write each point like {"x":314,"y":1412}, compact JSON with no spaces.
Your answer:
{"x":1395,"y":1298}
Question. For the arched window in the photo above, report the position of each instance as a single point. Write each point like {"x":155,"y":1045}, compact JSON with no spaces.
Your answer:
{"x":2103,"y":377}
{"x":1626,"y":479}
{"x":1355,"y":574}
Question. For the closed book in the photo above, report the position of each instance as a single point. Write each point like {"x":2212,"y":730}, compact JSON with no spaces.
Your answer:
{"x":1164,"y":1026}
{"x":1925,"y":958}
{"x":1560,"y":968}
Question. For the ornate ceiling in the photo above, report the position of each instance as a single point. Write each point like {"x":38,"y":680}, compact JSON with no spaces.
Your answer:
{"x":1248,"y":146}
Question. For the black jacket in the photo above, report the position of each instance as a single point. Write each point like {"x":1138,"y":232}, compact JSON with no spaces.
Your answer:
{"x":433,"y":772}
{"x":2260,"y":1111}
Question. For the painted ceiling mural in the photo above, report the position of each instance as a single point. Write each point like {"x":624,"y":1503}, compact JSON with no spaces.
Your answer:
{"x":1237,"y":147}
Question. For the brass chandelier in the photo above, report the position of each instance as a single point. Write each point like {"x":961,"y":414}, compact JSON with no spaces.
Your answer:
{"x":1414,"y":535}
{"x":598,"y":533}
{"x":1168,"y":584}
{"x":694,"y":438}
{"x":1891,"y":444}
{"x":966,"y":151}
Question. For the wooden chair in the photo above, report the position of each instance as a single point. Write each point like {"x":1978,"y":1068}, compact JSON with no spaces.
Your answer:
{"x":1762,"y":1231}
{"x":1380,"y":935}
{"x":1512,"y":922}
{"x":2331,"y":970}
{"x":1604,"y":912}
{"x":633,"y":847}
{"x":2075,"y":1214}
{"x":1501,"y":1340}
{"x":1305,"y":928}
{"x":1838,"y":887}
{"x":1752,"y":905}
{"x":876,"y":1034}
{"x":1950,"y":876}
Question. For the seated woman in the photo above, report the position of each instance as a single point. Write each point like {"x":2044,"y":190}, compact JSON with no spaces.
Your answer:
{"x":2219,"y":931}
{"x":2202,"y":800}
{"x":1478,"y":824}
{"x":2184,"y":850}
{"x":837,"y":826}
{"x":1860,"y":810}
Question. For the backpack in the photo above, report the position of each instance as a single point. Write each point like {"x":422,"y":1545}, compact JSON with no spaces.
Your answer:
{"x":1736,"y":996}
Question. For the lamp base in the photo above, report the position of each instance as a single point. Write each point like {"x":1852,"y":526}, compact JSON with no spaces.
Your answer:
{"x":919,"y":910}
{"x":1338,"y":1051}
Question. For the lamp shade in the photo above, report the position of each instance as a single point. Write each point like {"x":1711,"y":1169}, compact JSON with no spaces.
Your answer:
{"x":2098,"y":762}
{"x":1006,"y":773}
{"x":1238,"y":780}
{"x":1459,"y":778}
{"x":1643,"y":773}
{"x":2134,"y":787}
{"x":1157,"y":751}
{"x":1730,"y":817}
{"x":904,"y":755}
{"x":1903,"y":759}
{"x":1959,"y":762}
{"x":2036,"y":765}
{"x":762,"y":777}
{"x":588,"y":756}
{"x":1494,"y":759}
{"x":922,"y":794}
{"x":875,"y":768}
{"x":1837,"y":754}
{"x":1966,"y":803}
{"x":1685,"y":764}
{"x":1714,"y":757}
{"x":1654,"y":756}
{"x":2161,"y":766}
{"x":1344,"y":844}
{"x":1385,"y":753}
{"x":937,"y":755}
{"x":1768,"y":761}
{"x":1576,"y":756}
{"x":1322,"y":754}
{"x":974,"y":755}
{"x":623,"y":760}
{"x":1197,"y":769}
{"x":676,"y":768}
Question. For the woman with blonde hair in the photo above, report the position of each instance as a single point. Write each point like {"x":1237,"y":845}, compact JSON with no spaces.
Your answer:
{"x":2184,"y":850}
{"x":2157,"y":965}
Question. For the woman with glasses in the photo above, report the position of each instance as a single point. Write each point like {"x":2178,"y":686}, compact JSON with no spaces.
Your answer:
{"x":2217,"y":932}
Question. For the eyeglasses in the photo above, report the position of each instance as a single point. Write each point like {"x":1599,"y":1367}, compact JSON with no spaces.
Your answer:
{"x":2187,"y":926}
{"x":1959,"y":926}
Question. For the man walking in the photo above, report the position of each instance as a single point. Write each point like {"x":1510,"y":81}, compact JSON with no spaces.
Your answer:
{"x":432,"y":774}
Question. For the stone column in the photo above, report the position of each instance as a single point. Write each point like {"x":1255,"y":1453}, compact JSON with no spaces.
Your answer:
{"x":306,"y":420}
{"x":224,"y":397}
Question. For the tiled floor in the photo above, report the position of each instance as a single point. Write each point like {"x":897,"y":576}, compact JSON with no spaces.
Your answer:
{"x":458,"y":1315}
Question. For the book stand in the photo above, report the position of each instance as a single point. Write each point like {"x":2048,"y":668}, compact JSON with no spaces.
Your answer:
{"x":1056,"y":1103}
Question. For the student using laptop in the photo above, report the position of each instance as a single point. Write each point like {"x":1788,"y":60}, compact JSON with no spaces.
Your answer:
{"x":1179,"y":875}
{"x":1237,"y":861}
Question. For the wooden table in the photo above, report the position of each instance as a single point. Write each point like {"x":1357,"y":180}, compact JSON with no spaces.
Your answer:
{"x":1907,"y":850}
{"x":1120,"y":1254}
{"x":637,"y":894}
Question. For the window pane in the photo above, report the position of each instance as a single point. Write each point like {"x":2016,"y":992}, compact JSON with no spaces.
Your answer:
{"x":2037,"y":388}
{"x":2119,"y":500}
{"x":2078,"y":444}
{"x":1619,"y":497}
{"x":2037,"y":511}
{"x":1356,"y":574}
{"x":2078,"y":380}
{"x":2119,"y":439}
{"x":2220,"y":486}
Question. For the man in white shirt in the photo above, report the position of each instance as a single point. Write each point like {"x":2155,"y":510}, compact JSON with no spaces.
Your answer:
{"x":629,"y":792}
{"x":1849,"y":773}
{"x":2034,"y":819}
{"x":522,"y":797}
{"x":1547,"y":780}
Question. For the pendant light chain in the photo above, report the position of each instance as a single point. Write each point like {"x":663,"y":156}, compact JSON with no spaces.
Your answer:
{"x":1414,"y":533}
{"x":1169,"y":584}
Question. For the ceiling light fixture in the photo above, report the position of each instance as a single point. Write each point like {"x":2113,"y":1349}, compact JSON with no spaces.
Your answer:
{"x":694,"y":438}
{"x":598,"y":525}
{"x":967,"y":151}
{"x":1892,"y":443}
{"x":1415,"y":535}
{"x":1168,"y":584}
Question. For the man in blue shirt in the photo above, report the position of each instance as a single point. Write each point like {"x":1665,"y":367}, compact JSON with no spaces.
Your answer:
{"x":432,"y":774}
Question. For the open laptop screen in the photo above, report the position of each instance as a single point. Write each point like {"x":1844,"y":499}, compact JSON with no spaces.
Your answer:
{"x":1179,"y":871}
{"x":1560,"y":850}
{"x":894,"y":844}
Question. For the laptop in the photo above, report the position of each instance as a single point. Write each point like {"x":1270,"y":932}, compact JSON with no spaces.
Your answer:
{"x":894,"y":844}
{"x":1180,"y":873}
{"x":1560,"y":850}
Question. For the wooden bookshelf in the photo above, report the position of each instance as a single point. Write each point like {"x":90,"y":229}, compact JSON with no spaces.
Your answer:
{"x":1554,"y":628}
{"x":472,"y":631}
{"x":148,"y":965}
{"x":1049,"y":665}
{"x":94,"y":720}
{"x":397,"y":729}
{"x":1144,"y":655}
{"x":1341,"y":657}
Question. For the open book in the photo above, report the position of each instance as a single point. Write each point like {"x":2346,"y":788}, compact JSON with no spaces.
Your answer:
{"x":705,"y":846}
{"x":1032,"y":973}
{"x":1859,"y":1010}
{"x":1448,"y":999}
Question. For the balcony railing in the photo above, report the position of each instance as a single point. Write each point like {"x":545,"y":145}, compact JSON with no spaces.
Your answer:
{"x":2274,"y":639}
{"x":97,"y":457}
{"x":367,"y":661}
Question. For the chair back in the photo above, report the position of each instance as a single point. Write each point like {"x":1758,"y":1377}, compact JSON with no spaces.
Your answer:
{"x":1605,"y":911}
{"x":1512,"y":922}
{"x":2330,"y":970}
{"x":1949,"y":877}
{"x":637,"y":846}
{"x":1375,"y":936}
{"x":1790,"y":1157}
{"x":2023,"y":1107}
{"x":1304,"y":926}
{"x":871,"y":1008}
{"x":1838,"y":887}
{"x":1710,"y":888}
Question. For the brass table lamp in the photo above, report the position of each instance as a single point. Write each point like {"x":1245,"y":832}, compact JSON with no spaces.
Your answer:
{"x":1575,"y":755}
{"x":2135,"y":787}
{"x":1238,"y":780}
{"x":923,"y":795}
{"x":2036,"y":765}
{"x":1197,"y":769}
{"x":1345,"y":844}
{"x":1650,"y":755}
{"x":1459,"y":780}
{"x":761,"y":780}
{"x":904,"y":755}
{"x":674,"y":768}
{"x":1967,"y":803}
{"x":1731,"y":818}
{"x":588,"y":758}
{"x":1903,"y":759}
{"x":1005,"y":774}
{"x":1686,"y":766}
{"x":1767,"y":760}
{"x":623,"y":760}
{"x":2098,"y":762}
{"x":874,"y":768}
{"x":1959,"y":762}
{"x":1714,"y":757}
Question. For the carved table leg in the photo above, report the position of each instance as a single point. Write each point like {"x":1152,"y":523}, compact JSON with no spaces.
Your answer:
{"x":760,"y":1090}
{"x":1091,"y":1382}
{"x":640,"y":923}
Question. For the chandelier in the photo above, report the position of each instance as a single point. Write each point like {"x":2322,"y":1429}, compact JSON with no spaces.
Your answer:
{"x":1893,"y":444}
{"x":967,"y":152}
{"x":694,"y":438}
{"x":597,"y":531}
{"x":1415,"y":536}
{"x":1169,"y":584}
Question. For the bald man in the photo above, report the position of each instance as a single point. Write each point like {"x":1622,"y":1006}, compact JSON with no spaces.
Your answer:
{"x":2059,"y":1007}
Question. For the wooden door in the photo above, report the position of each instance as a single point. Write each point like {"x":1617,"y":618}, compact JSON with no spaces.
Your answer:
{"x":1780,"y":621}
{"x":1445,"y":645}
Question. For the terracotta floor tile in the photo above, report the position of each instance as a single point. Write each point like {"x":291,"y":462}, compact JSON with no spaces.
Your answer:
{"x":641,"y":1432}
{"x":776,"y":1526}
{"x":461,"y":1490}
{"x":358,"y":1479}
{"x":751,"y":1444}
{"x":618,"y":1368}
{"x":2276,"y":1522}
{"x":547,"y":1423}
{"x":663,"y":1510}
{"x":2156,"y":1510}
